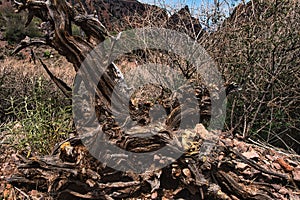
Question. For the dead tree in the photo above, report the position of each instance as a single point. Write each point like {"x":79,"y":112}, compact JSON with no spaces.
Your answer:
{"x":233,"y":169}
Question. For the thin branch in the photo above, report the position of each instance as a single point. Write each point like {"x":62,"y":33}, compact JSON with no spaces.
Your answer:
{"x":27,"y":42}
{"x":67,"y":91}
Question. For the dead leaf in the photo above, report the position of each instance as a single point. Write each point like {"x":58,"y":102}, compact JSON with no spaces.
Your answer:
{"x":155,"y":184}
{"x":154,"y":195}
{"x":296,"y":174}
{"x":295,"y":196}
{"x":276,"y":186}
{"x":283,"y":190}
{"x":228,"y":142}
{"x":250,"y":154}
{"x":241,"y":146}
{"x":33,"y":192}
{"x":285,"y":165}
{"x":241,"y":165}
{"x":276,"y":165}
{"x":205,"y":134}
{"x":247,"y":172}
{"x":2,"y":188}
{"x":221,"y":157}
{"x":271,"y":158}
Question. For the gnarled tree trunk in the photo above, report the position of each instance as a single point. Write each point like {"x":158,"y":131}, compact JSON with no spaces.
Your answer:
{"x":233,"y":169}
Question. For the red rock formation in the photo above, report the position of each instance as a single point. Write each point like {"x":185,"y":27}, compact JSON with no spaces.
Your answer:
{"x":120,"y":15}
{"x":183,"y":21}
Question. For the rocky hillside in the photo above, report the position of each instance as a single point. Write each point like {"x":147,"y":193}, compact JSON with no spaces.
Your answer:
{"x":121,"y":15}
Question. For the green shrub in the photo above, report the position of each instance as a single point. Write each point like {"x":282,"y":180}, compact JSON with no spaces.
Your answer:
{"x":76,"y":30}
{"x":39,"y":119}
{"x":47,"y":54}
{"x":14,"y":28}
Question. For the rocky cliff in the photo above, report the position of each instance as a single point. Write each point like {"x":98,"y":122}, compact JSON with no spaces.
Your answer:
{"x":120,"y":15}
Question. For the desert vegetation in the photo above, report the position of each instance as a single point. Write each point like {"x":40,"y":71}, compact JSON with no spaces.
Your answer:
{"x":12,"y":25}
{"x":34,"y":114}
{"x":261,"y":51}
{"x":255,"y":155}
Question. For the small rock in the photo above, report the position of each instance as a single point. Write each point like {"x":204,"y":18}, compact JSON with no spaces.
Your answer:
{"x":176,"y":172}
{"x":241,"y":146}
{"x":15,"y":157}
{"x":241,"y":165}
{"x":283,"y":191}
{"x":276,"y":186}
{"x":154,"y":195}
{"x":228,"y":142}
{"x":90,"y":182}
{"x":201,"y":131}
{"x":296,"y":174}
{"x":187,"y":172}
{"x":250,"y":154}
{"x":156,"y":157}
{"x":162,"y":161}
{"x":33,"y":192}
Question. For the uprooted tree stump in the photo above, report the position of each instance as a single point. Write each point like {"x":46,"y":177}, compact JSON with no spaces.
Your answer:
{"x":232,"y":170}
